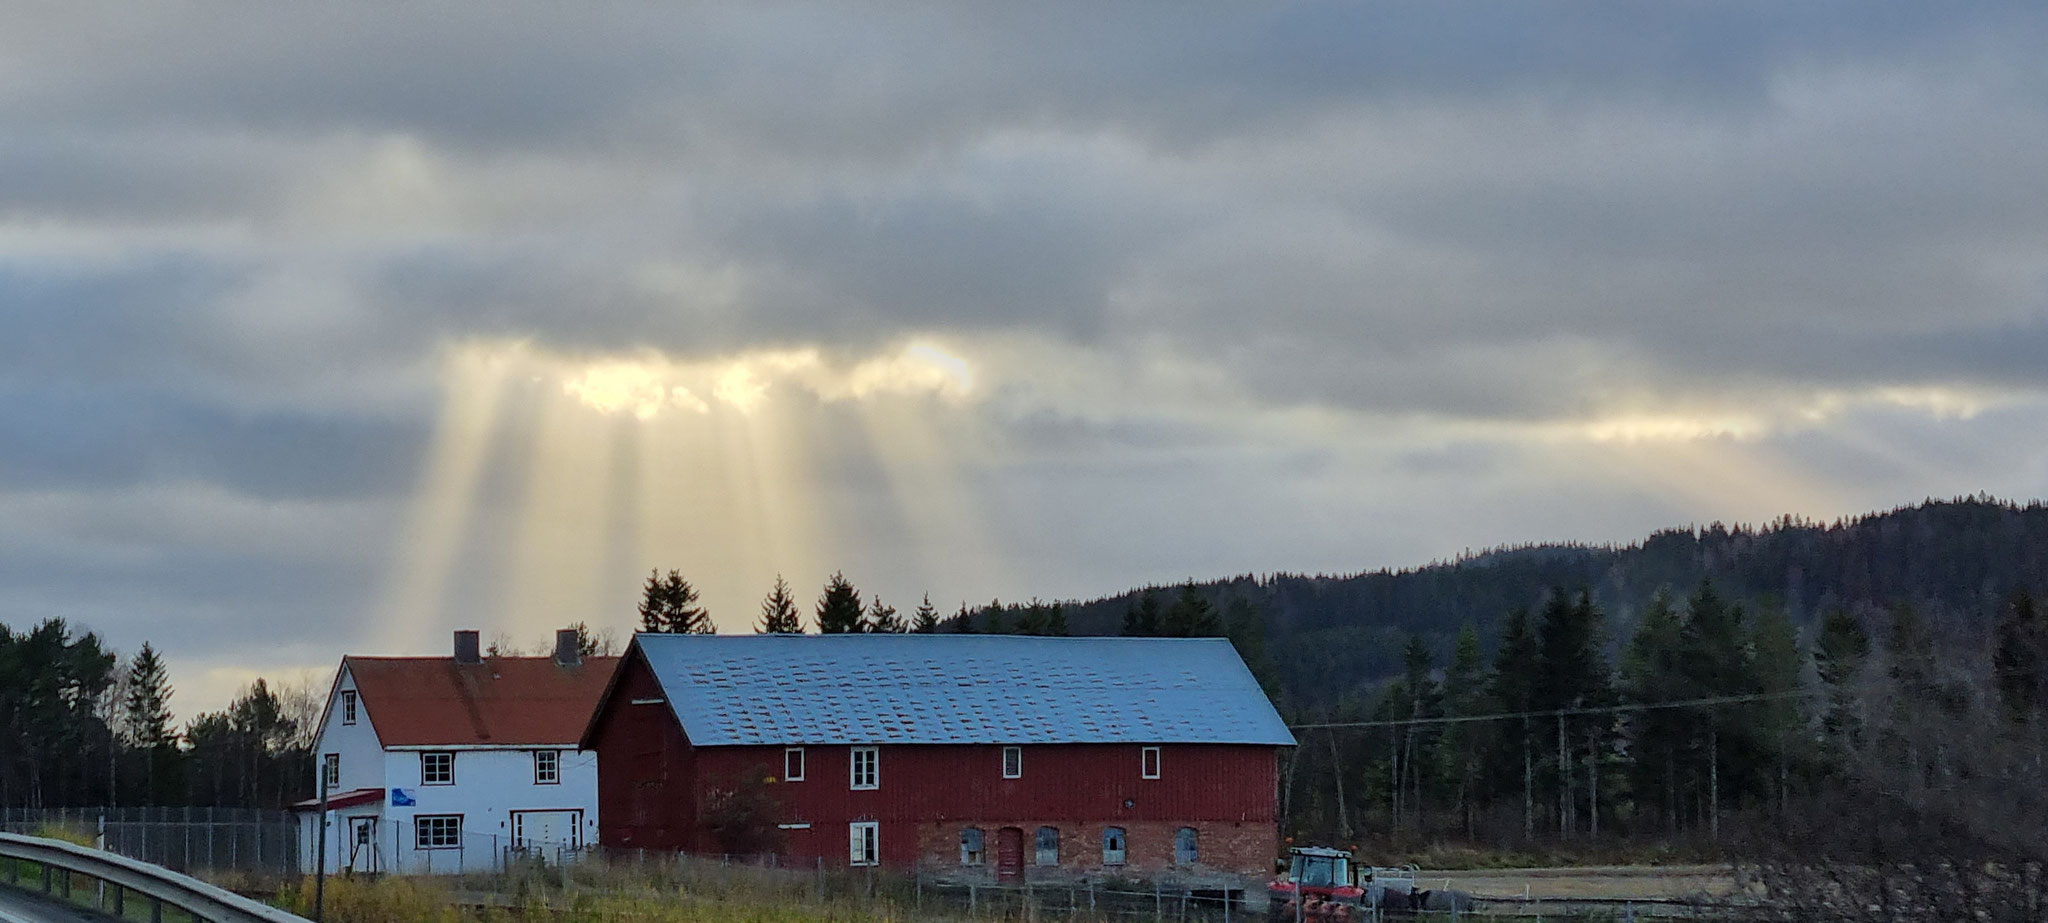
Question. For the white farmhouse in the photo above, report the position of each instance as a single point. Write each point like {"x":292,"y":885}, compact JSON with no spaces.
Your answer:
{"x":446,"y":764}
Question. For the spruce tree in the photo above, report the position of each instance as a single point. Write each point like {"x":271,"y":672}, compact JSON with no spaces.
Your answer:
{"x":1031,"y":620}
{"x":1056,"y":620}
{"x":1191,"y":616}
{"x":1779,"y":726}
{"x":963,"y":620}
{"x":1660,"y":738}
{"x":992,"y":618}
{"x":2019,"y":659}
{"x":147,"y":713}
{"x":1147,"y":621}
{"x":668,"y":605}
{"x":778,"y":612}
{"x":926,"y":620}
{"x":1840,"y":650}
{"x":839,"y":609}
{"x":882,"y":619}
{"x":1464,"y":742}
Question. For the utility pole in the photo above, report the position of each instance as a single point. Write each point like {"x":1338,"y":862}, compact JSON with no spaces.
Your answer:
{"x":1528,"y":786}
{"x":1564,"y":784}
{"x":320,"y":860}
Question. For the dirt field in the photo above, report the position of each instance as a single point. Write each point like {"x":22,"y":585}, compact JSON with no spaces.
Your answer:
{"x":1621,"y":881}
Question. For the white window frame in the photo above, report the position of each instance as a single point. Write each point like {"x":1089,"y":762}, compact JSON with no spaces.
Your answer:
{"x":348,"y":706}
{"x":330,"y":770}
{"x":864,"y":843}
{"x":547,"y":767}
{"x":793,"y":764}
{"x":1149,"y":763}
{"x":872,"y":758}
{"x":1013,"y":762}
{"x":442,"y":838}
{"x":425,"y":756}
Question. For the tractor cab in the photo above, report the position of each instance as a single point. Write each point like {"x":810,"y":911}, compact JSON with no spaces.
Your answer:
{"x":1317,"y":885}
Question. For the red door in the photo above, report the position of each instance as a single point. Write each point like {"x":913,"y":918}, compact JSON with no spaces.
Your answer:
{"x":1009,"y":854}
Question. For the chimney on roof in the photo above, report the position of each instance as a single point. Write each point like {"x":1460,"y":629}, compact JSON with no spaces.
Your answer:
{"x":466,"y":649}
{"x":567,"y":651}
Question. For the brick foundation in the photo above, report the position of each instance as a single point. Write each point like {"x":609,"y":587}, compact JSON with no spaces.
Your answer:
{"x":1229,"y":850}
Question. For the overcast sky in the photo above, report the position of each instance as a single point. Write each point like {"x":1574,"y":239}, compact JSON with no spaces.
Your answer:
{"x":329,"y":328}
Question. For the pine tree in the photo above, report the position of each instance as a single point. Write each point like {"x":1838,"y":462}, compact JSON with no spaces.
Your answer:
{"x":1246,"y":629}
{"x":1778,"y":726}
{"x":1840,"y":649}
{"x":147,"y":713}
{"x":1464,"y":744}
{"x":1031,"y":620}
{"x":882,"y":619}
{"x":778,"y":612}
{"x":839,"y":610}
{"x":963,"y":620}
{"x":1143,"y":620}
{"x":1516,"y":666}
{"x":668,"y":605}
{"x":992,"y":618}
{"x":926,"y":620}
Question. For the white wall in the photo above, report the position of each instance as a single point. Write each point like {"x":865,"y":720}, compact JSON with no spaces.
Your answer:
{"x":362,"y":756}
{"x":490,"y":785}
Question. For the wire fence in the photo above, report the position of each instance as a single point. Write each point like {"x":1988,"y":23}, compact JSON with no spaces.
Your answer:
{"x":184,"y":839}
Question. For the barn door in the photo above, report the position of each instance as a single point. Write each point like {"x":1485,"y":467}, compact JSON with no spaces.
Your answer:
{"x":1009,"y":854}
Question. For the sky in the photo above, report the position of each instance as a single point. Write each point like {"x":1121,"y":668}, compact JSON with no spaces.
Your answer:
{"x":329,"y":329}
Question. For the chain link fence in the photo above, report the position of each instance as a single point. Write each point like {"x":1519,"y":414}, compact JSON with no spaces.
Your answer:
{"x":186,"y":839}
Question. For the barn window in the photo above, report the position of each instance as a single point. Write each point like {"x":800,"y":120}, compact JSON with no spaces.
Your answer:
{"x":972,"y":850}
{"x":1186,"y":850}
{"x":866,"y":768}
{"x":1048,"y":846}
{"x":330,"y":771}
{"x":437,"y":831}
{"x":793,"y":764}
{"x":1148,"y":763}
{"x":864,"y":842}
{"x":348,"y":707}
{"x":1013,"y":762}
{"x":1113,"y":848}
{"x":437,"y":768}
{"x":547,"y":767}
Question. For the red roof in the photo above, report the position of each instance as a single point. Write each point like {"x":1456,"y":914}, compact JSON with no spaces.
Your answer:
{"x":504,"y":701}
{"x":338,"y":800}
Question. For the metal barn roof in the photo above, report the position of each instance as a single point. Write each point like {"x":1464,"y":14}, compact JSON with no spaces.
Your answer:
{"x":737,"y":690}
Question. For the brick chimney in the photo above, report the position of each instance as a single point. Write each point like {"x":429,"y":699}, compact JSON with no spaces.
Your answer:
{"x":566,"y":652}
{"x":466,"y":649}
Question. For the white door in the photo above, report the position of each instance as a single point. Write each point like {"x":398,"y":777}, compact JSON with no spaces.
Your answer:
{"x":547,"y":831}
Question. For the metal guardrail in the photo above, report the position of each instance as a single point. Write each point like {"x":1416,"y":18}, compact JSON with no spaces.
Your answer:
{"x":161,"y":887}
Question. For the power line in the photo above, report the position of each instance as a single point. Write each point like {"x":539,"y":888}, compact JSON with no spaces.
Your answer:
{"x":1559,"y":712}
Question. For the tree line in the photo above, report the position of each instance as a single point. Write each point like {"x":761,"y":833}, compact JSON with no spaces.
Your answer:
{"x":82,"y":726}
{"x":1551,"y":736}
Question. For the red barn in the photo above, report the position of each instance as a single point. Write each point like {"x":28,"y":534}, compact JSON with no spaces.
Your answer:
{"x":977,"y":756}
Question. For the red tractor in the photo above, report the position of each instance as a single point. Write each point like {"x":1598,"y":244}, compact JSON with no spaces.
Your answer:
{"x":1317,"y":886}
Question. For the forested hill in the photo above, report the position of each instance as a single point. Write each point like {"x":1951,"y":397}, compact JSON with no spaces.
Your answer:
{"x":1955,"y":560}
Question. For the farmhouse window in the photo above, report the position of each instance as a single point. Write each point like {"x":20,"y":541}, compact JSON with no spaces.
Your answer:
{"x":1113,"y":848}
{"x":793,"y":764}
{"x":864,"y":842}
{"x":348,"y":707}
{"x":1148,"y":763}
{"x":547,"y":767}
{"x":330,"y":769}
{"x":1048,"y":846}
{"x":1186,"y":851}
{"x":437,"y":831}
{"x":1013,"y":762}
{"x":866,"y":769}
{"x":972,"y":849}
{"x":437,"y":768}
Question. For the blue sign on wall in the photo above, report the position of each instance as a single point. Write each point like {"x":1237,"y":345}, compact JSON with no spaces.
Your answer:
{"x":400,"y":798}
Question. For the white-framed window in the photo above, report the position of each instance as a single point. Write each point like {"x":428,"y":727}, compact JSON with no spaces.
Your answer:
{"x":865,"y":769}
{"x":1013,"y":762}
{"x":1115,"y":846}
{"x":437,"y":767}
{"x":437,"y":831}
{"x":348,"y":706}
{"x":1148,"y":763}
{"x":973,"y":847}
{"x":864,"y":845}
{"x":547,"y":767}
{"x":792,"y":764}
{"x":330,"y":770}
{"x":1048,"y":846}
{"x":1187,"y":847}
